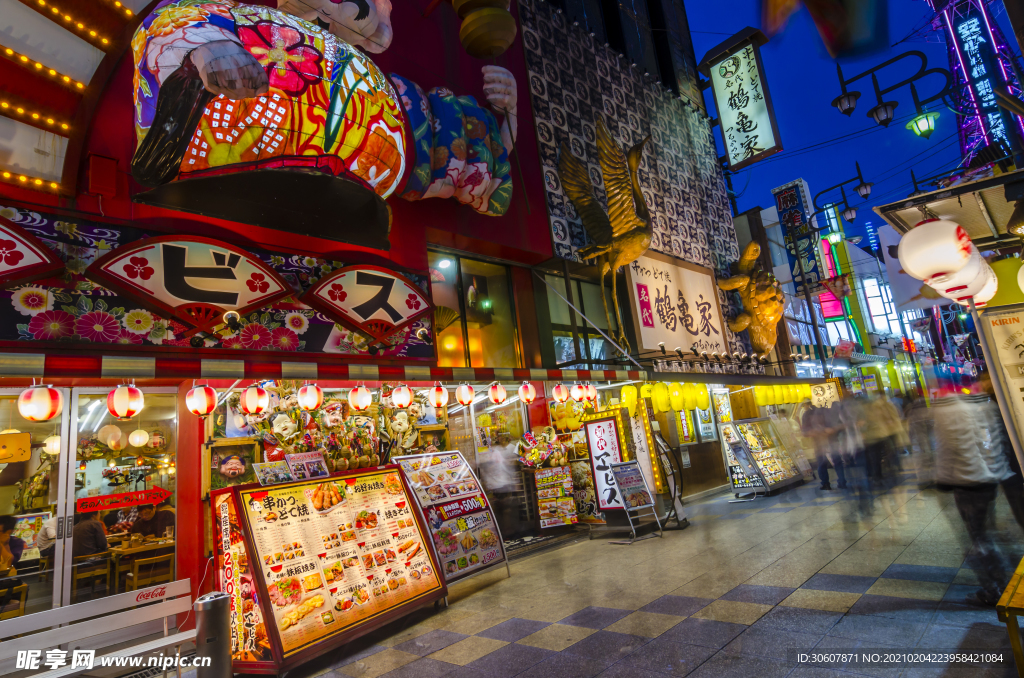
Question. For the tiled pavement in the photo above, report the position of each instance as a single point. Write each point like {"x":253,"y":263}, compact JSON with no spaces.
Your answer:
{"x":733,"y":595}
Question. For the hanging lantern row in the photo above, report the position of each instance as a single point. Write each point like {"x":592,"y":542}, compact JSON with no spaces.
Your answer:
{"x":310,"y":397}
{"x":560,"y":393}
{"x":527,"y":393}
{"x":254,"y":400}
{"x":201,"y":400}
{"x":438,"y":396}
{"x":40,"y":403}
{"x":402,"y":397}
{"x":464,"y":394}
{"x":360,"y":398}
{"x":781,"y":394}
{"x":125,"y":401}
{"x":674,"y":397}
{"x":496,"y":393}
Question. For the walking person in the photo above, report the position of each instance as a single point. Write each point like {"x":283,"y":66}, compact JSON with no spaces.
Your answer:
{"x":822,"y":426}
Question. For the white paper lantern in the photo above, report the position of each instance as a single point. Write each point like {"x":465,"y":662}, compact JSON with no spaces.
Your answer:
{"x":108,"y":433}
{"x":138,"y":438}
{"x":985,"y":280}
{"x":970,"y":271}
{"x":52,"y":445}
{"x":987,"y":291}
{"x":935,"y":247}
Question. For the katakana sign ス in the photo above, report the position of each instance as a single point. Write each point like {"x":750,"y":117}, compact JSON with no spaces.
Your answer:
{"x":603,"y":443}
{"x":23,"y":258}
{"x":676,"y":304}
{"x":744,"y":107}
{"x":793,"y":203}
{"x":192,"y":278}
{"x":369,"y":299}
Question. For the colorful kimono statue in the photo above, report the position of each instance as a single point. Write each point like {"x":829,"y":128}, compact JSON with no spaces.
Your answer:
{"x":329,"y":109}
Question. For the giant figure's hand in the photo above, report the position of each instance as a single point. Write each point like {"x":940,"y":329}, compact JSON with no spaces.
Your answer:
{"x":227,"y":69}
{"x":500,"y":90}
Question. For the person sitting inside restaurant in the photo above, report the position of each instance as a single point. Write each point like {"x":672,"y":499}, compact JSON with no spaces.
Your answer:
{"x":152,"y":523}
{"x":11,"y":547}
{"x":88,"y":537}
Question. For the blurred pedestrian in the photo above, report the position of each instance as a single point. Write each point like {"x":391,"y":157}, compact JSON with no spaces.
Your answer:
{"x":822,"y":426}
{"x":972,"y":470}
{"x":919,"y":429}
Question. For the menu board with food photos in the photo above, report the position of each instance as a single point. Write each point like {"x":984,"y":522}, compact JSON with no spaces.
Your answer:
{"x":459,"y":517}
{"x":335,"y":558}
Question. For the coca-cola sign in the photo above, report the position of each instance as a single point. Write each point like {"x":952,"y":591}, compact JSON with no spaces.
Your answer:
{"x":151,"y":594}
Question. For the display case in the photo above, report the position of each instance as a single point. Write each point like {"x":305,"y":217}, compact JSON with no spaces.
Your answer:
{"x":756,"y":455}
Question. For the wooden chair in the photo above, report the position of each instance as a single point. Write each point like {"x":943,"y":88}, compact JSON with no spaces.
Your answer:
{"x":15,"y":607}
{"x":90,"y":568}
{"x":44,"y":565}
{"x":149,"y":571}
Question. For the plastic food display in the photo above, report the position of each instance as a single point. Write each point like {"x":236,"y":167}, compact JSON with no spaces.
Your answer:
{"x":755,"y":442}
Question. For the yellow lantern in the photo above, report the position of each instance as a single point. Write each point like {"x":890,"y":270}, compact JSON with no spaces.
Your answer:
{"x":760,"y":396}
{"x":628,"y":395}
{"x":703,"y":397}
{"x":689,"y":396}
{"x":779,"y":396}
{"x":675,"y":395}
{"x":807,"y":391}
{"x":660,"y":398}
{"x":769,"y":395}
{"x":647,"y":390}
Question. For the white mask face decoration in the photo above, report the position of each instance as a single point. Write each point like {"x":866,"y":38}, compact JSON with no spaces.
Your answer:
{"x":284,"y":427}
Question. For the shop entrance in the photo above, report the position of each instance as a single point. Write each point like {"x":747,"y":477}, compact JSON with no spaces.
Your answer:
{"x":92,"y":500}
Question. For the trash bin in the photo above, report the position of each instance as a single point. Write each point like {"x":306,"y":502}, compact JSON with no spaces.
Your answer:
{"x":213,"y":634}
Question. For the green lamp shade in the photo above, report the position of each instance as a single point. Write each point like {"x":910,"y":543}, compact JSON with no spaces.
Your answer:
{"x":923,"y":125}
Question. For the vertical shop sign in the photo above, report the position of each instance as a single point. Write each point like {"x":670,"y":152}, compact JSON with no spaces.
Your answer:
{"x":744,"y":105}
{"x":603,"y":443}
{"x":675,"y":303}
{"x":1007,"y":331}
{"x":979,"y":63}
{"x":793,"y":203}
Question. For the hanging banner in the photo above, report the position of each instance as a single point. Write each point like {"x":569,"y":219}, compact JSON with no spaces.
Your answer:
{"x":744,"y":106}
{"x":195,"y":279}
{"x":369,"y":299}
{"x":459,"y":518}
{"x":121,"y":500}
{"x":603,"y":444}
{"x":675,"y":304}
{"x":1007,"y":332}
{"x":793,"y":202}
{"x":23,"y":258}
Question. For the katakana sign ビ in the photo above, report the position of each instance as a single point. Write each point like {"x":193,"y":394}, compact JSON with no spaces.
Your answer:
{"x":676,"y":304}
{"x":369,"y":299}
{"x":603,"y":443}
{"x":192,"y":278}
{"x":977,"y":55}
{"x":744,"y":106}
{"x":23,"y":258}
{"x":793,"y":202}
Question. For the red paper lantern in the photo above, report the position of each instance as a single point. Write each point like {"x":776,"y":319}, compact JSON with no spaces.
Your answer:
{"x":310,"y":397}
{"x":496,"y":393}
{"x":578,"y":392}
{"x":560,"y":393}
{"x":125,"y":401}
{"x":439,"y":396}
{"x":591,"y":392}
{"x":201,"y":400}
{"x":360,"y":398}
{"x":402,"y":397}
{"x":527,"y":393}
{"x":40,"y":403}
{"x":254,"y":400}
{"x":464,"y":394}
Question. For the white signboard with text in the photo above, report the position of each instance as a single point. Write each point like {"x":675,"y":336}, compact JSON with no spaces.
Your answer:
{"x":1007,"y":331}
{"x":744,"y":107}
{"x":676,"y":304}
{"x":603,"y":444}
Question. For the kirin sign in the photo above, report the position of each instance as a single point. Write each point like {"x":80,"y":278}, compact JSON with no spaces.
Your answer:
{"x":369,"y":299}
{"x":194,"y":279}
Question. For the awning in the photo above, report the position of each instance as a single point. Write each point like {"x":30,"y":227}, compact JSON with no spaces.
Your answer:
{"x":861,"y":358}
{"x":71,"y":366}
{"x":812,"y":350}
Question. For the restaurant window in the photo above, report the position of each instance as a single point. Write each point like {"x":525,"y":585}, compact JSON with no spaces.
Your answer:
{"x":881,"y":308}
{"x":586,"y":297}
{"x":475,"y":312}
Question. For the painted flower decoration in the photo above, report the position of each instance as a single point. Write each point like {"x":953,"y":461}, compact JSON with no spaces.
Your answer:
{"x":138,"y":267}
{"x":233,"y":342}
{"x":336,"y":293}
{"x":127,"y":337}
{"x":50,"y":325}
{"x":257,"y":282}
{"x":413,"y":302}
{"x":284,"y":339}
{"x":98,"y":326}
{"x":475,"y":128}
{"x":30,"y":300}
{"x":138,"y":321}
{"x":9,"y":253}
{"x":296,"y":322}
{"x":255,"y":335}
{"x":291,"y":65}
{"x":459,"y":148}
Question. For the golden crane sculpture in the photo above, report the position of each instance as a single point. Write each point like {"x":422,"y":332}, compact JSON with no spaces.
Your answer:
{"x":763,"y":301}
{"x":624,"y":233}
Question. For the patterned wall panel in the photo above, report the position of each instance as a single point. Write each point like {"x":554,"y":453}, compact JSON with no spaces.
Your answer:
{"x":574,"y":81}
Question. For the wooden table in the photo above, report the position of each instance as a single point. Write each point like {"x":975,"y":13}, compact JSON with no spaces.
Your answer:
{"x":1009,"y":607}
{"x":118,"y":552}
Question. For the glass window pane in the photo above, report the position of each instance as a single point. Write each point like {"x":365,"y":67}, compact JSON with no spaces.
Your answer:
{"x":28,"y":491}
{"x":593,"y":306}
{"x":558,"y":308}
{"x":564,"y":349}
{"x":444,"y":291}
{"x":489,"y":315}
{"x":116,"y":457}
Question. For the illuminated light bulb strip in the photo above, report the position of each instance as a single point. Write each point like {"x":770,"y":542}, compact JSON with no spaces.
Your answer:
{"x":15,"y":112}
{"x":28,"y":182}
{"x":61,"y":18}
{"x":66,"y":80}
{"x":659,"y":487}
{"x":127,"y":12}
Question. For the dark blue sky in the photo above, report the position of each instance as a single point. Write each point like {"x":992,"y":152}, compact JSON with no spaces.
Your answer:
{"x":803,"y":81}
